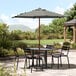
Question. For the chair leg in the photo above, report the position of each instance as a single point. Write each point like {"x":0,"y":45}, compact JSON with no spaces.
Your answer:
{"x":68,"y":61}
{"x":32,"y":66}
{"x":15,"y":58}
{"x":25,"y":64}
{"x":52,"y":62}
{"x":60,"y":61}
{"x":31,"y":69}
{"x":36,"y":64}
{"x":42,"y":64}
{"x":17,"y":62}
{"x":29,"y":63}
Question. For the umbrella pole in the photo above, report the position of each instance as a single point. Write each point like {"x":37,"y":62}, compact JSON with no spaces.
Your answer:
{"x":39,"y":41}
{"x":39,"y":34}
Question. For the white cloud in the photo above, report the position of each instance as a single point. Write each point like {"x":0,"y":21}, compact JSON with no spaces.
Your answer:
{"x":5,"y":19}
{"x":59,"y":10}
{"x":70,"y":5}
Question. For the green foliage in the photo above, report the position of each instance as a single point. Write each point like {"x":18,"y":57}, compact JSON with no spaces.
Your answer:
{"x":11,"y":71}
{"x":17,"y":35}
{"x":19,"y":44}
{"x":56,"y":27}
{"x":57,"y":45}
{"x":11,"y":52}
{"x":43,"y":29}
{"x":35,"y":45}
{"x":3,"y":52}
{"x":4,"y":72}
{"x":74,"y":46}
{"x":5,"y":44}
{"x":5,"y":40}
{"x":71,"y":13}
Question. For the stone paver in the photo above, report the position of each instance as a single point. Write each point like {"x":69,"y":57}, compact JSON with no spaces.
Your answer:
{"x":63,"y":71}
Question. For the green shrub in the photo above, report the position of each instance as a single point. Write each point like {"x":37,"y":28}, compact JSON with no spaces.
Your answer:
{"x":5,"y":43}
{"x":74,"y":46}
{"x":4,"y":72}
{"x":11,"y":52}
{"x":11,"y":71}
{"x":3,"y":52}
{"x":19,"y":44}
{"x":20,"y":52}
{"x":57,"y":45}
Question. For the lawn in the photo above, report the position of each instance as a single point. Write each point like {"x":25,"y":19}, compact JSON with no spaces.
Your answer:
{"x":43,"y":42}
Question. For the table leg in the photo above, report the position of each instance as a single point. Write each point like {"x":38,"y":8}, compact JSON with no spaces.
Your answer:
{"x":45,"y":59}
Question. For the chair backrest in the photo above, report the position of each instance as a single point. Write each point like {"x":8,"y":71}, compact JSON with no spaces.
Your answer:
{"x":65,"y":50}
{"x":27,"y":52}
{"x":51,"y":47}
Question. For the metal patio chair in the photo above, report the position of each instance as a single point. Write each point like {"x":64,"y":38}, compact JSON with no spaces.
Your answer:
{"x":64,"y":51}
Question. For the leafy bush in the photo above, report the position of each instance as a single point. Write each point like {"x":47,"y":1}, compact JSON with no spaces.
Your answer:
{"x":4,"y":72}
{"x":10,"y":52}
{"x":3,"y":52}
{"x":11,"y":71}
{"x":74,"y":46}
{"x":20,"y":51}
{"x":19,"y":44}
{"x":6,"y":44}
{"x":57,"y":45}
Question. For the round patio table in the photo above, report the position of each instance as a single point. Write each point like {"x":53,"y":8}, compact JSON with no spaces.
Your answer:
{"x":45,"y":50}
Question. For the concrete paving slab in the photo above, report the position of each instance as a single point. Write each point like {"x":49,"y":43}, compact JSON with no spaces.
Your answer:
{"x":62,"y":71}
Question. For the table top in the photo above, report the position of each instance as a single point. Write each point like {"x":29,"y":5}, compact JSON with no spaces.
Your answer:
{"x":44,"y":49}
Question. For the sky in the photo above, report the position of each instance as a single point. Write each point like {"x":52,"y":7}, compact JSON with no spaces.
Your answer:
{"x":10,"y":8}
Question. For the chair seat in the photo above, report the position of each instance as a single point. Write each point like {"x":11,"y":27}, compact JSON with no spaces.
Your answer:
{"x":34,"y":57}
{"x":56,"y":54}
{"x":63,"y":55}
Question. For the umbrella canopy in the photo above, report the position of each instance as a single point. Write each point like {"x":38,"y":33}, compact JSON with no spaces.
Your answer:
{"x":70,"y":23}
{"x":39,"y":13}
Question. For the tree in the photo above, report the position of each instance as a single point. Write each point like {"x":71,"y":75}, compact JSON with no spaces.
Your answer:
{"x":44,"y":31}
{"x":5,"y":40}
{"x":17,"y":35}
{"x":56,"y":27}
{"x":71,"y":13}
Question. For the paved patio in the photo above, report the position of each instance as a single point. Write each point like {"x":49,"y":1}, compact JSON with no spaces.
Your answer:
{"x":62,"y":71}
